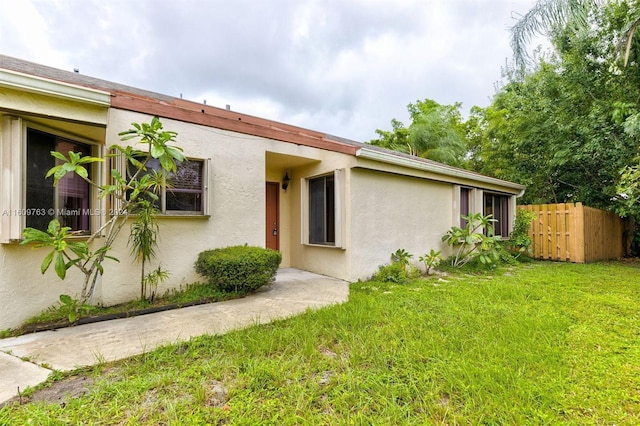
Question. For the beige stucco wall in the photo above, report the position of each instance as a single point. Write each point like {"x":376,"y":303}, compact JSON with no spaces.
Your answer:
{"x":24,"y":292}
{"x":384,"y":207}
{"x":326,"y":260}
{"x":238,"y":167}
{"x":393,"y":212}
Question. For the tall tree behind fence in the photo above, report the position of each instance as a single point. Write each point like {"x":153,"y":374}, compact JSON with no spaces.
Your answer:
{"x":575,"y":233}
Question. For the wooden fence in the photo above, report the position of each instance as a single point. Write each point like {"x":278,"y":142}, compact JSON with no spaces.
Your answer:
{"x":575,"y":233}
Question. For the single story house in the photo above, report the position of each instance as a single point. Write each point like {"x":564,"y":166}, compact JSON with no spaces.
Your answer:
{"x":329,"y":205}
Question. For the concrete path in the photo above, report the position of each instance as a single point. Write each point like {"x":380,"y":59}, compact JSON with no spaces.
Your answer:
{"x":27,"y":360}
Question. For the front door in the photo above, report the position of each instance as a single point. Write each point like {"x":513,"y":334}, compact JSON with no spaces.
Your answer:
{"x":273,"y":217}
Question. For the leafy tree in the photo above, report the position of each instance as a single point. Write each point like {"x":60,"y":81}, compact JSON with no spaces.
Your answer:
{"x":436,"y":132}
{"x":131,"y":191}
{"x":559,"y":128}
{"x":552,"y":17}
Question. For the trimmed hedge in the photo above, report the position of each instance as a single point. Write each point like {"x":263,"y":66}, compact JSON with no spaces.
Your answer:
{"x":240,"y":269}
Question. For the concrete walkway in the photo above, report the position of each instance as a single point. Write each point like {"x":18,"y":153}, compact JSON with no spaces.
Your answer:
{"x":27,"y":360}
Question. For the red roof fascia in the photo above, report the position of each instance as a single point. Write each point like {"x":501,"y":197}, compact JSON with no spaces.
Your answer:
{"x":192,"y":112}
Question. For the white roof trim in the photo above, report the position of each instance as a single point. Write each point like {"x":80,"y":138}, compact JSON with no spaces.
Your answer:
{"x":433,"y":167}
{"x":58,"y":89}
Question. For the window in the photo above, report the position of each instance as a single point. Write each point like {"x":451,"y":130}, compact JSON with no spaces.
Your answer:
{"x":498,"y":206}
{"x":185,"y":188}
{"x":70,"y":200}
{"x":322,"y":224}
{"x":465,"y":205}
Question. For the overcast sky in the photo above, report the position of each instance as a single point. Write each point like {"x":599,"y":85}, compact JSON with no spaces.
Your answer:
{"x":344,"y":67}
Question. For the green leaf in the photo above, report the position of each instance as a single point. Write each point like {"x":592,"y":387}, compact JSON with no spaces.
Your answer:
{"x":175,"y":152}
{"x":82,"y":172}
{"x":59,"y":174}
{"x":60,"y":266}
{"x":80,"y":248}
{"x":58,"y":155}
{"x":60,"y":244}
{"x":157,"y":151}
{"x":54,"y":227}
{"x":46,"y":262}
{"x":136,"y":163}
{"x":52,"y":171}
{"x":85,"y":160}
{"x":65,"y":299}
{"x":31,"y":235}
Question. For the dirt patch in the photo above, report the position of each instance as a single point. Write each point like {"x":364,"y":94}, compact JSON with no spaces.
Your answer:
{"x":58,"y":393}
{"x":217,"y":394}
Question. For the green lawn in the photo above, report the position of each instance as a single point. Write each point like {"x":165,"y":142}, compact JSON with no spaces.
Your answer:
{"x":542,"y":343}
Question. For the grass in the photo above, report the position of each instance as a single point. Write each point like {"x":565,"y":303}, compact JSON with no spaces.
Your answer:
{"x":544,"y":343}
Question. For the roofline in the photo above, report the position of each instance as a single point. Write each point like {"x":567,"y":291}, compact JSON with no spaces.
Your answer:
{"x":195,"y":113}
{"x":61,"y":84}
{"x":418,"y":164}
{"x":58,"y":89}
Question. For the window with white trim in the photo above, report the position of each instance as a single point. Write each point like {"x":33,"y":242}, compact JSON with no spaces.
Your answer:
{"x":465,"y":205}
{"x":70,"y":201}
{"x":322,"y":229}
{"x":323,"y":209}
{"x":185,"y":192}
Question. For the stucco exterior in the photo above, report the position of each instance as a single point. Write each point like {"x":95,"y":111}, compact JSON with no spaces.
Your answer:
{"x":384,"y":221}
{"x":383,"y":200}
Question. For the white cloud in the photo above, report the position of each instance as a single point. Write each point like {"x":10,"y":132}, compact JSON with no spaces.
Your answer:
{"x":345,"y":67}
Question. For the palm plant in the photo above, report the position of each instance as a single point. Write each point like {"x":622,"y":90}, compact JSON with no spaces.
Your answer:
{"x":547,"y":16}
{"x":143,"y":237}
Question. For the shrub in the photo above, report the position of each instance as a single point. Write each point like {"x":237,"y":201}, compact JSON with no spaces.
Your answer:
{"x":240,"y":269}
{"x":393,"y":273}
{"x":431,"y":260}
{"x":519,"y":240}
{"x":471,"y":242}
{"x":402,"y":257}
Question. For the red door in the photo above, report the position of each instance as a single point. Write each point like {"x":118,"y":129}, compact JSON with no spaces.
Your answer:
{"x":273,"y":217}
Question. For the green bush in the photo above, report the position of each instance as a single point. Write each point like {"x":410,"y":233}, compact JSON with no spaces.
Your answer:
{"x":519,"y":240}
{"x":393,"y":273}
{"x":240,"y":269}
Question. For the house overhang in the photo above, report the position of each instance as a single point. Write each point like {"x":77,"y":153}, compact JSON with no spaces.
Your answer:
{"x":57,"y":89}
{"x":447,"y":172}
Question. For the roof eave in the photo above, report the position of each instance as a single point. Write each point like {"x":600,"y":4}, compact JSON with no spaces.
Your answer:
{"x":58,"y":89}
{"x":442,"y":169}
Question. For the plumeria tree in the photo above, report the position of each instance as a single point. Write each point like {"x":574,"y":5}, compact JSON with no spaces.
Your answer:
{"x":475,"y":240}
{"x":133,"y":190}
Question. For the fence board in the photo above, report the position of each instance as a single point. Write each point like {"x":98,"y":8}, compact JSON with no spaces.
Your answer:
{"x":575,"y":233}
{"x":553,"y":236}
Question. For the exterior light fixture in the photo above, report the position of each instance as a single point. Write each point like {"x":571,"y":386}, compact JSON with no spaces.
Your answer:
{"x":285,"y":181}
